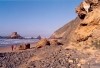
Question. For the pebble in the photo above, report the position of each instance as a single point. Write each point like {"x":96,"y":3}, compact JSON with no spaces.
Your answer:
{"x":53,"y":57}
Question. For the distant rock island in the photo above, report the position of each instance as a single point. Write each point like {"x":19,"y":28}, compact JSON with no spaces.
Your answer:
{"x":15,"y":35}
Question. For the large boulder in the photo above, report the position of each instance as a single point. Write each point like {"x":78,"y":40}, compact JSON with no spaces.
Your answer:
{"x":52,"y":42}
{"x":24,"y":46}
{"x":43,"y":42}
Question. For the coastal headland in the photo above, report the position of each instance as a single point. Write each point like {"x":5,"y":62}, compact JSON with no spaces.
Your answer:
{"x":75,"y":45}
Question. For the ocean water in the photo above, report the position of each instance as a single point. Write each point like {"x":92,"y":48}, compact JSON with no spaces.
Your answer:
{"x":8,"y":42}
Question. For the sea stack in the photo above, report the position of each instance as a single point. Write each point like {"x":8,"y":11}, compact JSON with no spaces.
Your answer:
{"x":14,"y":35}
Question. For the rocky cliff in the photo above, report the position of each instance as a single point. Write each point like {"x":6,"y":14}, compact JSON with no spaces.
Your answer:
{"x":64,"y":32}
{"x":84,"y":29}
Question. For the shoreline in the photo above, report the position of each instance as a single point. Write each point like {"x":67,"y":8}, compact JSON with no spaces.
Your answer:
{"x":8,"y":48}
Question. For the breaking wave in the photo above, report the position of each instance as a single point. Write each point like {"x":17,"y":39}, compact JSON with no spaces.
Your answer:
{"x":8,"y":42}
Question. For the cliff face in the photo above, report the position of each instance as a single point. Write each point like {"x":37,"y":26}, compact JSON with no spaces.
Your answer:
{"x":85,"y":28}
{"x":64,"y":32}
{"x":66,"y":29}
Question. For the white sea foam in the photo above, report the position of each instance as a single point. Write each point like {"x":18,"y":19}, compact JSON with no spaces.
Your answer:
{"x":7,"y":42}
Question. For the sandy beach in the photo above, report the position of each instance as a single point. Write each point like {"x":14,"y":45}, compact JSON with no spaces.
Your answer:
{"x":8,"y":48}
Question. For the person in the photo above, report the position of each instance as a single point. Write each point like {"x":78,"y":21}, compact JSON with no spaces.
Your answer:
{"x":12,"y":46}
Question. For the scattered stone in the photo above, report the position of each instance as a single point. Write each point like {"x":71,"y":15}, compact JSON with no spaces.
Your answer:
{"x":49,"y":57}
{"x":70,"y":61}
{"x":43,"y":42}
{"x":79,"y":65}
{"x":68,"y":55}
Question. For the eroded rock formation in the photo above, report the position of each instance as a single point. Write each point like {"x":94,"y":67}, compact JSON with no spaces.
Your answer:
{"x":43,"y":42}
{"x":89,"y":26}
{"x":85,"y":27}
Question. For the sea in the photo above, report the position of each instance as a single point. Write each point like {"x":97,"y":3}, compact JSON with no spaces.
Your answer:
{"x":9,"y":42}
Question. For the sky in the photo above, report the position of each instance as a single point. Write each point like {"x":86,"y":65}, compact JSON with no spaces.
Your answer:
{"x":35,"y":17}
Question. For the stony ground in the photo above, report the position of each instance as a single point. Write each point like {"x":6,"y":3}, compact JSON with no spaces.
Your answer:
{"x":13,"y":59}
{"x":56,"y":57}
{"x":46,"y":57}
